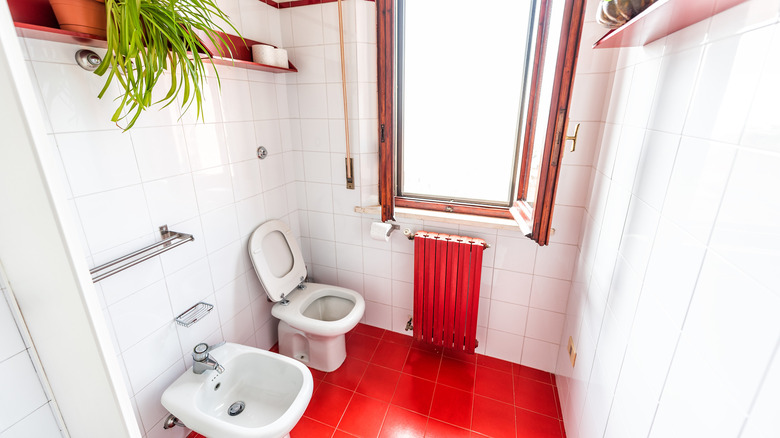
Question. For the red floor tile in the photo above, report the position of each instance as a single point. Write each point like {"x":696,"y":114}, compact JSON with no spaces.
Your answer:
{"x":532,"y":373}
{"x":328,"y":403}
{"x":459,"y":355}
{"x":533,"y":425}
{"x":348,"y":375}
{"x":457,"y":374}
{"x":391,"y":386}
{"x":360,"y":346}
{"x":496,"y":364}
{"x":452,"y":406}
{"x":536,"y":396}
{"x":308,"y":428}
{"x":391,"y":355}
{"x":379,"y":382}
{"x":422,"y":364}
{"x":494,"y":384}
{"x":317,"y":374}
{"x":493,"y":418}
{"x":400,"y":423}
{"x":414,"y":393}
{"x":369,"y":330}
{"x":397,"y":338}
{"x":438,"y":429}
{"x":364,"y":416}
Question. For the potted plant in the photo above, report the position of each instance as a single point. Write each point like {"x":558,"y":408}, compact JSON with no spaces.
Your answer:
{"x":146,"y":38}
{"x":85,"y":16}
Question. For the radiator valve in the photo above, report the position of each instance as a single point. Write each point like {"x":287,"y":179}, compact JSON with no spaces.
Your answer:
{"x":408,"y":324}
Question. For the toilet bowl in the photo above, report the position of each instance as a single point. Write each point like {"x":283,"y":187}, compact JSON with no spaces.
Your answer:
{"x":313,"y":318}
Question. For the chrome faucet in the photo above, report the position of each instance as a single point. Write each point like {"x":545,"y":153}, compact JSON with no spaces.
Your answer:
{"x":201,"y":361}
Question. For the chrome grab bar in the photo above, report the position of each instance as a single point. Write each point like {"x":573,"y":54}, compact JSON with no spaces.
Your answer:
{"x":171,"y":239}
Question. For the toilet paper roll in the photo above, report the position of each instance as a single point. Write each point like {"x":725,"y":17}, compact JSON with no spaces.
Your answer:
{"x":263,"y":54}
{"x":381,"y":231}
{"x":280,"y":58}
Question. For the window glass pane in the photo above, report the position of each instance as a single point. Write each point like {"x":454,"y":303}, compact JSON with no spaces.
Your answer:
{"x":462,"y":83}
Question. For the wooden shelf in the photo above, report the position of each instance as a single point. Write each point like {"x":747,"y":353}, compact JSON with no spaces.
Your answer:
{"x":42,"y":30}
{"x":661,"y":19}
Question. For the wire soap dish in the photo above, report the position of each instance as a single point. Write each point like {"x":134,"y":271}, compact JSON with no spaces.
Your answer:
{"x":194,"y":314}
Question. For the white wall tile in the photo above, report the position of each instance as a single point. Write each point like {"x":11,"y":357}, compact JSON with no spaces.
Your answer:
{"x":171,"y":200}
{"x":23,"y":393}
{"x":511,"y":287}
{"x":140,"y":314}
{"x":700,"y":174}
{"x":98,"y":161}
{"x":506,"y":317}
{"x":746,"y":230}
{"x":114,"y":217}
{"x":220,"y":227}
{"x":40,"y":423}
{"x":152,"y":356}
{"x":206,"y":146}
{"x":160,"y":152}
{"x":213,"y":188}
{"x":729,"y":76}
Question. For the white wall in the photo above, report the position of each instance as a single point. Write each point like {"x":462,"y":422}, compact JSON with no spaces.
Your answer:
{"x":26,"y":408}
{"x":197,"y":177}
{"x":675,"y":297}
{"x":524,"y":287}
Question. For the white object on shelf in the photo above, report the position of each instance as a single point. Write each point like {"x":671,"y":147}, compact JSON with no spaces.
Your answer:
{"x":263,"y":54}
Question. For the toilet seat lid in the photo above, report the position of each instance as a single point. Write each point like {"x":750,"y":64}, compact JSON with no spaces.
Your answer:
{"x":277,"y":258}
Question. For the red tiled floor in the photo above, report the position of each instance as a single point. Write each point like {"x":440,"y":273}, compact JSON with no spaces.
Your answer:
{"x":360,"y":346}
{"x":414,"y":393}
{"x":328,"y":403}
{"x":364,"y":416}
{"x":438,"y":429}
{"x":308,"y":428}
{"x":391,"y":355}
{"x":533,"y":425}
{"x":422,"y":364}
{"x":494,"y":384}
{"x":536,"y":396}
{"x":532,"y":373}
{"x":452,"y":406}
{"x":457,"y":374}
{"x":496,"y":364}
{"x":493,"y":418}
{"x":348,"y":375}
{"x":410,"y":390}
{"x":400,"y":423}
{"x":379,"y":382}
{"x":397,"y":338}
{"x":369,"y":330}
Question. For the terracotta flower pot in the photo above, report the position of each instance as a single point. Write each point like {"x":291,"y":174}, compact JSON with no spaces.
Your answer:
{"x":86,"y":16}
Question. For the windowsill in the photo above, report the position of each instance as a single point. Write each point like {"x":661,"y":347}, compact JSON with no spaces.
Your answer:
{"x":450,"y":218}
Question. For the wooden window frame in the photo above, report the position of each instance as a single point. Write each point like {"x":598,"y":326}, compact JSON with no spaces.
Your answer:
{"x":535,"y":221}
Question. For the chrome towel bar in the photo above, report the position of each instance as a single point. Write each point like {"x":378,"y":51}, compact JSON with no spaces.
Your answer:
{"x":171,"y":239}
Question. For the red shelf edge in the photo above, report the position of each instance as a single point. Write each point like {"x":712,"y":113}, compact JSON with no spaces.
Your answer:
{"x":661,"y":19}
{"x":65,"y":36}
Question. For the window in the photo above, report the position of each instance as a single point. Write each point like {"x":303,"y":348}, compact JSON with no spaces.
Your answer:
{"x":502,"y":159}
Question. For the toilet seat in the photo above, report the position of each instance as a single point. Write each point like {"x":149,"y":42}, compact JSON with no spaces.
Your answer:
{"x":277,"y":259}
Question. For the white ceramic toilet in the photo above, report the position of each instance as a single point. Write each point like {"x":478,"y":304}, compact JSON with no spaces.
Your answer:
{"x":313,"y":317}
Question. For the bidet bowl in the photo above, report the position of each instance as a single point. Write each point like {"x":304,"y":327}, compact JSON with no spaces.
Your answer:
{"x":275,"y":391}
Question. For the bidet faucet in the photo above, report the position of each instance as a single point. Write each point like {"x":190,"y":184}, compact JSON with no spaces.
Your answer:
{"x":201,"y":361}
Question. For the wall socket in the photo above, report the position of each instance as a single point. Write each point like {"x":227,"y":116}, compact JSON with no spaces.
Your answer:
{"x":572,"y":351}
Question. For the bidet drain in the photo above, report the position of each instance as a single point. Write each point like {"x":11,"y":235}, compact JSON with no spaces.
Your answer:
{"x":236,"y":408}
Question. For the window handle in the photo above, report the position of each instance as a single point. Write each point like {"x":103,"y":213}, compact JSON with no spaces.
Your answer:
{"x":573,"y":138}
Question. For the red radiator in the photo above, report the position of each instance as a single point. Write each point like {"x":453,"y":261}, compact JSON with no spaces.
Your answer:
{"x":447,"y":272}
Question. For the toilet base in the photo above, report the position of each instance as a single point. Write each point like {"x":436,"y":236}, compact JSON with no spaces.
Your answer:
{"x":324,"y":353}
